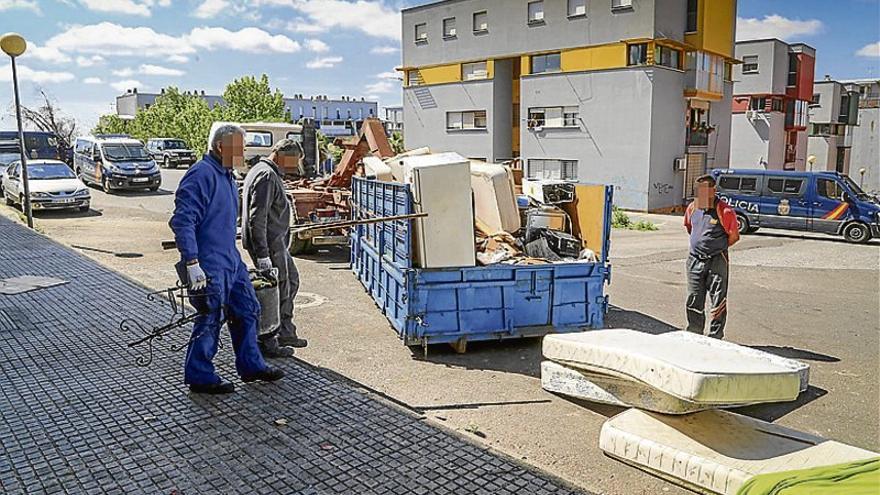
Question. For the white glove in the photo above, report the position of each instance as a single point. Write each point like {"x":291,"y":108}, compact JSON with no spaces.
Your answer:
{"x":197,"y":278}
{"x":264,"y":264}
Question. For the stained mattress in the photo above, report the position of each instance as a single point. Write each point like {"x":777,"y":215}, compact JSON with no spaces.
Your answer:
{"x":691,"y":368}
{"x":613,"y":390}
{"x":716,"y":451}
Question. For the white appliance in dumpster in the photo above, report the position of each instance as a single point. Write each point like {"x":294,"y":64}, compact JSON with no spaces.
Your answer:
{"x":441,"y":187}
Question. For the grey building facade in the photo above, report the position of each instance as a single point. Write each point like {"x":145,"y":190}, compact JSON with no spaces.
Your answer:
{"x":864,"y":159}
{"x":335,"y":117}
{"x":833,"y":115}
{"x":631,"y":93}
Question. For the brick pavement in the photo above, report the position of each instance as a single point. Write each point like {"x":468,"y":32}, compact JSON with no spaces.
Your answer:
{"x":78,"y":416}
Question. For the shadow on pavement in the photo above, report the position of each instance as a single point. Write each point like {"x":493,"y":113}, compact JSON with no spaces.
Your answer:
{"x":331,"y":254}
{"x":72,"y":213}
{"x":794,"y":353}
{"x":772,"y":412}
{"x":524,"y":356}
{"x":141,"y":193}
{"x":811,"y":237}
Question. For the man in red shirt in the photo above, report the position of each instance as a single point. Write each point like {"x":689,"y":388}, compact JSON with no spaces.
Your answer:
{"x":713,"y":228}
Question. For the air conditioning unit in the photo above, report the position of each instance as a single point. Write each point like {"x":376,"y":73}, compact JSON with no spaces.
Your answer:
{"x":751,"y":114}
{"x":679,"y":165}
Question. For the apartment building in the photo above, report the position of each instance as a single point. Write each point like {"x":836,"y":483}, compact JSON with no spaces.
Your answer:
{"x":335,"y":117}
{"x":393,"y":119}
{"x":834,"y":110}
{"x":634,"y":93}
{"x":864,"y":158}
{"x":771,"y":96}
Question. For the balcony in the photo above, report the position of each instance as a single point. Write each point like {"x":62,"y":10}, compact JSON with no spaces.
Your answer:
{"x":704,"y":76}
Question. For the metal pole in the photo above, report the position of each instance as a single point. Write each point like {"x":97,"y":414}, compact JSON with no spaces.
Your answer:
{"x":26,"y":203}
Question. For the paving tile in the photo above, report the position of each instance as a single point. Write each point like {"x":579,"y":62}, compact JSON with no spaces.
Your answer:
{"x":78,"y":416}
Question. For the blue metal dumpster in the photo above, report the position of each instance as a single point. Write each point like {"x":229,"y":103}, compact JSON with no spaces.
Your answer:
{"x":456,"y":305}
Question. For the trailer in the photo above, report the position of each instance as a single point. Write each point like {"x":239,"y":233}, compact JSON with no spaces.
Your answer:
{"x":460,"y":305}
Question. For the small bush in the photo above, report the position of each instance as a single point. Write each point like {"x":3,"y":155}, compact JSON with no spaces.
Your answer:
{"x":620,"y":220}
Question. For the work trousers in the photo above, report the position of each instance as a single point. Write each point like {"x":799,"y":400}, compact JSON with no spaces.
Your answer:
{"x":288,"y":287}
{"x":707,"y":276}
{"x":230,"y":296}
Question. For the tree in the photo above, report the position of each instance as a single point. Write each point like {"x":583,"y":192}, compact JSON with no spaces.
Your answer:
{"x":328,"y":149}
{"x":47,"y":117}
{"x":252,"y":100}
{"x":112,"y":124}
{"x":396,"y":142}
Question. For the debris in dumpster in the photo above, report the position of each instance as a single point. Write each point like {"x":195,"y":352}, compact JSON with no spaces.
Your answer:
{"x":549,"y":192}
{"x":494,"y":196}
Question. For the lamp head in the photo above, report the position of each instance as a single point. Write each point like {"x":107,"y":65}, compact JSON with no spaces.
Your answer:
{"x":811,"y":159}
{"x":13,"y":44}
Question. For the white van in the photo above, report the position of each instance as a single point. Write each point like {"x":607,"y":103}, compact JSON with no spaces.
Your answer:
{"x":115,"y":162}
{"x":261,"y":136}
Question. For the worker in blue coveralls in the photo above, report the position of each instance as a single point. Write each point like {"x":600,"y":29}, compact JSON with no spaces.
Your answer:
{"x":204,"y":225}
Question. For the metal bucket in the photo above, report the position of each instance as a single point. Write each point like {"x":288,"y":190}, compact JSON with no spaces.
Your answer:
{"x":266,"y":287}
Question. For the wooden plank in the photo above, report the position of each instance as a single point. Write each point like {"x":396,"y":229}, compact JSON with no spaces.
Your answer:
{"x":587,"y":214}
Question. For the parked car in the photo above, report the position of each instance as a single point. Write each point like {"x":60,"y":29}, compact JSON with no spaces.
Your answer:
{"x":171,"y":153}
{"x":4,"y":173}
{"x":38,"y":144}
{"x":115,"y":162}
{"x":52,"y":186}
{"x":826,"y":202}
{"x":9,"y":152}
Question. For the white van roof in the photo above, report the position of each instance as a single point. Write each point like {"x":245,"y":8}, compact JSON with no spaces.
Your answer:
{"x":115,"y":139}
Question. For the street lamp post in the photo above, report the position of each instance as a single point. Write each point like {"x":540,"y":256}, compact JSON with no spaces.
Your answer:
{"x":14,"y":45}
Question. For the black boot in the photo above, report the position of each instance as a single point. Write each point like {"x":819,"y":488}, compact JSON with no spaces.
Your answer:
{"x":292,"y":342}
{"x":223,"y":387}
{"x":269,"y":374}
{"x":270,"y":349}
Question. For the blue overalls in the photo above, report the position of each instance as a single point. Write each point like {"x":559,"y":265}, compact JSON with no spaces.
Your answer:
{"x":204,"y":225}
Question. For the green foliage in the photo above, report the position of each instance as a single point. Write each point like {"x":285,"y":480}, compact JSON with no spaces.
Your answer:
{"x":620,"y":220}
{"x":328,"y":149}
{"x":252,"y":100}
{"x":396,"y":142}
{"x":188,"y":117}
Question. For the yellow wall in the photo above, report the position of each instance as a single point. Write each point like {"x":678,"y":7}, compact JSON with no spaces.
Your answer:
{"x":441,"y":74}
{"x":594,"y":58}
{"x":715,"y":27}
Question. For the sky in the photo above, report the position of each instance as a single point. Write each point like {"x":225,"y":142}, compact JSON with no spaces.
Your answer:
{"x":83,"y":53}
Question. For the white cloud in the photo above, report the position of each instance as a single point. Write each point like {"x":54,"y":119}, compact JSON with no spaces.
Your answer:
{"x":128,"y":7}
{"x":316,"y":46}
{"x":178,"y":59}
{"x":126,"y":84}
{"x":19,"y":4}
{"x":383,"y":86}
{"x":248,"y":40}
{"x":158,"y":70}
{"x":374,"y":18}
{"x":25,"y":73}
{"x":92,"y":80}
{"x":775,"y":26}
{"x":324,"y":62}
{"x":869,"y":50}
{"x":125,"y":72}
{"x":89,"y":61}
{"x":393,"y":75}
{"x":108,"y":39}
{"x":46,"y":54}
{"x":210,"y":8}
{"x":384,"y":50}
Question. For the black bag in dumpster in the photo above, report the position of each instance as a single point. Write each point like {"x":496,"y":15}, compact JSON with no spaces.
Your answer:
{"x":563,"y":244}
{"x":266,"y":287}
{"x":539,"y":248}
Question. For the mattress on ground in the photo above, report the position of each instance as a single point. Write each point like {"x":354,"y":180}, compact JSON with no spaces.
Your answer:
{"x":716,"y":451}
{"x":613,"y":390}
{"x":692,"y":371}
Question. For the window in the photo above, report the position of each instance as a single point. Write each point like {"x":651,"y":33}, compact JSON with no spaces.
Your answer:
{"x":258,"y":139}
{"x":414,"y":78}
{"x":473,"y":71}
{"x":691,"y":24}
{"x":750,"y":64}
{"x":776,"y":105}
{"x":577,"y":8}
{"x":421,"y":33}
{"x":728,"y":71}
{"x":537,"y":117}
{"x":668,"y":57}
{"x":481,"y":22}
{"x":637,"y":54}
{"x":816,"y":99}
{"x":728,"y":183}
{"x":792,"y":69}
{"x":295,"y":136}
{"x":621,"y":4}
{"x":741,"y":184}
{"x":545,"y":63}
{"x":466,"y":120}
{"x":749,"y":185}
{"x":758,"y":104}
{"x":449,"y":28}
{"x":570,"y":116}
{"x":536,"y":12}
{"x":554,"y":117}
{"x":779,"y":185}
{"x":830,"y":189}
{"x":553,"y":169}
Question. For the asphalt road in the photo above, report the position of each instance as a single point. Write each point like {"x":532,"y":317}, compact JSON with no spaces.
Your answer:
{"x":808,"y":297}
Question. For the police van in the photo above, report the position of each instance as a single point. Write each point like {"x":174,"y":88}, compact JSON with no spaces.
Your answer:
{"x":826,"y":202}
{"x":115,"y":161}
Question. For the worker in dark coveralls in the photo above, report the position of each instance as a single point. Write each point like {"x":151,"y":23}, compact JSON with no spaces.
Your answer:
{"x":713,"y":228}
{"x":265,"y":234}
{"x":204,"y":225}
